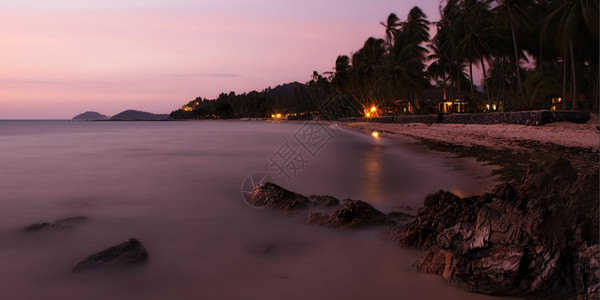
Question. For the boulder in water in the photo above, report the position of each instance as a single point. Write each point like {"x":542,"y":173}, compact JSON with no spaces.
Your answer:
{"x":131,"y":252}
{"x":353,"y":214}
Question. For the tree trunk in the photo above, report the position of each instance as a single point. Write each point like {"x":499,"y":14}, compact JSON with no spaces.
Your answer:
{"x":487,"y":90}
{"x":541,"y":62}
{"x":596,"y":92}
{"x":573,"y":76}
{"x":506,"y":102}
{"x":471,"y":77}
{"x":453,"y":81}
{"x":516,"y":48}
{"x":564,"y":90}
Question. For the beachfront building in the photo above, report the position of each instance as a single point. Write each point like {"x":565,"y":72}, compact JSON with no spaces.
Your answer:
{"x":447,"y":100}
{"x":556,"y":103}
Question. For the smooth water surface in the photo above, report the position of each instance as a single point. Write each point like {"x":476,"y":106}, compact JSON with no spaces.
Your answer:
{"x":176,"y":186}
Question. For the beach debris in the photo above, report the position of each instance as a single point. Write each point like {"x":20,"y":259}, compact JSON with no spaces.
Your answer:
{"x":131,"y":252}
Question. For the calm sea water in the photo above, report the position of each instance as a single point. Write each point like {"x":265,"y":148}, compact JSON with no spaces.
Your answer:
{"x":176,"y":186}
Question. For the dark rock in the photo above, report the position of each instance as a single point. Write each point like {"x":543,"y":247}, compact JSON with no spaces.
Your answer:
{"x":441,"y":210}
{"x":323,"y":201}
{"x":401,"y":216}
{"x":36,"y":227}
{"x":130,"y":252}
{"x":353,"y":214}
{"x":587,"y":272}
{"x":537,"y":240}
{"x":272,"y":196}
{"x":66,"y":223}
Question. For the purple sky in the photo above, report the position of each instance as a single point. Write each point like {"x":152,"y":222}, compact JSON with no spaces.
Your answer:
{"x":63,"y":57}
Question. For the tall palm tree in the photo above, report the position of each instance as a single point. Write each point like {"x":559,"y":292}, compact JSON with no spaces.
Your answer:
{"x":365,"y":65}
{"x":406,"y":63}
{"x":474,"y":17}
{"x":573,"y":20}
{"x":478,"y":45}
{"x":512,"y":13}
{"x":391,"y":28}
{"x":438,"y":68}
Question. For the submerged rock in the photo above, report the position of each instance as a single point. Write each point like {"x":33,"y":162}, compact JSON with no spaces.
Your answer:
{"x":58,"y":224}
{"x":272,"y":196}
{"x":128,"y":253}
{"x":353,"y":214}
{"x":537,"y":240}
{"x":36,"y":227}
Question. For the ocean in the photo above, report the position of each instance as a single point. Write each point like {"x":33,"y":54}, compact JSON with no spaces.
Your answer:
{"x":178,"y":188}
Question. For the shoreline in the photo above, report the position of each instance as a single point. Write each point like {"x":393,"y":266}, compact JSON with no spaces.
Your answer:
{"x":513,"y":148}
{"x":542,"y":217}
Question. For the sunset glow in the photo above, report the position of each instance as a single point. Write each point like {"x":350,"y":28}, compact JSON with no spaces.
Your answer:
{"x":61,"y":58}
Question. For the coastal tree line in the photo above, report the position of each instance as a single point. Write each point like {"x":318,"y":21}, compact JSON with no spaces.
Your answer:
{"x":528,"y":51}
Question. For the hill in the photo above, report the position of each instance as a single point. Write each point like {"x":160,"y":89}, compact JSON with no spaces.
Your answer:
{"x":136,"y":115}
{"x":91,"y":116}
{"x":284,"y":90}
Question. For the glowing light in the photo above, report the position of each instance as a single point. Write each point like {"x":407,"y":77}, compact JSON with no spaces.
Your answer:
{"x":278,"y":116}
{"x":375,"y":134}
{"x":371,"y":112}
{"x":273,"y":116}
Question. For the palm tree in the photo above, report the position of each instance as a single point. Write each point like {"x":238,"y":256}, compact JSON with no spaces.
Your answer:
{"x":475,"y":17}
{"x":391,"y":27}
{"x":574,"y":20}
{"x":404,"y":70}
{"x":363,"y":74}
{"x":512,"y":13}
{"x":477,"y":45}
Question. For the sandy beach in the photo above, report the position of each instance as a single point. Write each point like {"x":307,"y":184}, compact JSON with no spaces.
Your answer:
{"x":514,"y":148}
{"x":499,"y":136}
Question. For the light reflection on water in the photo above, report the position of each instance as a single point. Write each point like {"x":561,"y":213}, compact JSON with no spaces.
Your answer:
{"x":176,"y":187}
{"x":373,"y":187}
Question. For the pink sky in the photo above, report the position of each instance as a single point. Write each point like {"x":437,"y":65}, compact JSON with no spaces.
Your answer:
{"x":63,"y":57}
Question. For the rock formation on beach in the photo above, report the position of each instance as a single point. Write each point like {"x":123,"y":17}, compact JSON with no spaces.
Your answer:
{"x":272,"y":196}
{"x":352,"y":214}
{"x":131,"y":252}
{"x":536,"y":240}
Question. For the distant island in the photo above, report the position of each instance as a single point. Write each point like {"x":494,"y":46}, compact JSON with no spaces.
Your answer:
{"x":136,"y":115}
{"x":91,"y":116}
{"x":128,"y":115}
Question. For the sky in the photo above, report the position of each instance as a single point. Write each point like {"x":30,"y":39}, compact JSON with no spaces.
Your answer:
{"x":63,"y":57}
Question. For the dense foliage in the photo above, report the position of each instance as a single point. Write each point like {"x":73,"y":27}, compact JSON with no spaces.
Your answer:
{"x":529,"y":51}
